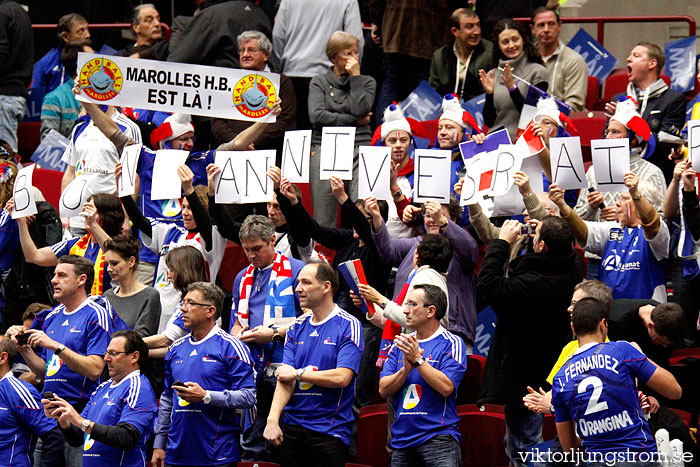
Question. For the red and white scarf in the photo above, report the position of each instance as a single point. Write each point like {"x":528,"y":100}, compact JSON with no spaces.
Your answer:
{"x":279,"y":302}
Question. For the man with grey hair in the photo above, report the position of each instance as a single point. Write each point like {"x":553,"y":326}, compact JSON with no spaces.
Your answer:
{"x":208,"y":376}
{"x":263,"y":307}
{"x":149,"y":44}
{"x":632,"y":248}
{"x":254,"y":51}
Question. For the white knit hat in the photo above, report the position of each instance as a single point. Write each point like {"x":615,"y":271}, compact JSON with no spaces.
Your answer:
{"x":175,"y":125}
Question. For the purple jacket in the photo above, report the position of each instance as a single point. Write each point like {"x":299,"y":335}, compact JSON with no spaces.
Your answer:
{"x":398,"y":252}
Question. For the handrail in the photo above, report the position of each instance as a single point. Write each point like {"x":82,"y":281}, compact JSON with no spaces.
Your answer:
{"x":601,"y":20}
{"x":164,"y":26}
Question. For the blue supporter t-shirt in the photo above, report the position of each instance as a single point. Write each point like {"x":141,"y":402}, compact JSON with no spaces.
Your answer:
{"x":271,"y":352}
{"x":22,"y":419}
{"x":204,"y":434}
{"x":166,"y":210}
{"x":336,"y":342}
{"x":130,"y":401}
{"x":422,"y":413}
{"x":86,"y":331}
{"x":596,"y":389}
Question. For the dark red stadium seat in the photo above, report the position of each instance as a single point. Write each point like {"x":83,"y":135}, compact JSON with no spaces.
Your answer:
{"x":588,"y":128}
{"x":482,"y":439}
{"x":615,"y":83}
{"x":257,"y":464}
{"x":484,"y":408}
{"x":49,"y":183}
{"x":679,"y":355}
{"x":371,"y":436}
{"x":549,"y":427}
{"x":685,"y":416}
{"x":592,"y":92}
{"x":469,"y":388}
{"x":233,"y":262}
{"x":28,"y":139}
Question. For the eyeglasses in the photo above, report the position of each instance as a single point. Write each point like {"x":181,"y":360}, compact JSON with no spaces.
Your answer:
{"x":250,"y":50}
{"x":114,"y":354}
{"x":189,"y":303}
{"x":413,"y":305}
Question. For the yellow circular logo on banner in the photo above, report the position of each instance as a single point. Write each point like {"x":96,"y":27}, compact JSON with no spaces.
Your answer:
{"x":254,"y":96}
{"x":101,"y":79}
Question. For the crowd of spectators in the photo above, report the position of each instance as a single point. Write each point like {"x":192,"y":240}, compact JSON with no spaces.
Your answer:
{"x":120,"y":319}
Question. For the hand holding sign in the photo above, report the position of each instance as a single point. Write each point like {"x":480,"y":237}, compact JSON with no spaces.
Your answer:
{"x":556,"y":195}
{"x":338,"y":189}
{"x":23,"y":194}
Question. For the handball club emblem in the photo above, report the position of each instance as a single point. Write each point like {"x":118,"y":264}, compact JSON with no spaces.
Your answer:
{"x":254,"y":96}
{"x":101,"y":79}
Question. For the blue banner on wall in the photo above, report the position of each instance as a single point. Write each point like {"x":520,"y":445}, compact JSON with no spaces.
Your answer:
{"x":681,"y":63}
{"x":600,"y":62}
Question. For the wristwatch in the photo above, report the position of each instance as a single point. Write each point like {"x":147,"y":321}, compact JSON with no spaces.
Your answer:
{"x":418,"y":362}
{"x":59,"y":349}
{"x":300,"y":371}
{"x":276,"y":335}
{"x":384,"y":304}
{"x":85,"y":424}
{"x":207,"y":398}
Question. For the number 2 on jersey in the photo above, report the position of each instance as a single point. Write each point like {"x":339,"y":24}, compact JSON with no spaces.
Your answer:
{"x":593,"y":404}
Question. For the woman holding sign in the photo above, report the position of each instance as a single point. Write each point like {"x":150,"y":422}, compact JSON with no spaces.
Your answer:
{"x":342,"y":98}
{"x":104,"y":218}
{"x":161,"y":237}
{"x":516,"y":63}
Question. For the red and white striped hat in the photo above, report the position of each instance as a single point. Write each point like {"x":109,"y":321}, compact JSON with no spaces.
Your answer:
{"x":394,"y":120}
{"x":452,"y":110}
{"x":175,"y":125}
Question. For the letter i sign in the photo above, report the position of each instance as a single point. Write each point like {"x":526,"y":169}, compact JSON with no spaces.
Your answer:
{"x":411,"y":396}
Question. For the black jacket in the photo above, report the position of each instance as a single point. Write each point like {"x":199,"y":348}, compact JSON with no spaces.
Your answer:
{"x":443,"y":69}
{"x":302,"y":227}
{"x":210,"y":38}
{"x":533,"y":322}
{"x":16,"y":49}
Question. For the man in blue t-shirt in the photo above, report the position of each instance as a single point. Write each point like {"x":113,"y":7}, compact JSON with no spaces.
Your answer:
{"x":21,"y":415}
{"x":594,"y":394}
{"x":73,"y":339}
{"x":208,"y":375}
{"x":263,"y":307}
{"x":316,"y":383}
{"x":633,"y":248}
{"x":422,"y":372}
{"x":118,"y":419}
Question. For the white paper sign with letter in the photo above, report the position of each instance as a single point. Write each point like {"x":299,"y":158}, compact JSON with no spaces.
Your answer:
{"x":75,"y":196}
{"x":567,"y":163}
{"x":295,"y":156}
{"x":611,"y":161}
{"x":432,"y":175}
{"x":23,"y":193}
{"x":375,"y":167}
{"x":337,"y":152}
{"x":166,"y":181}
{"x":129,"y":160}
